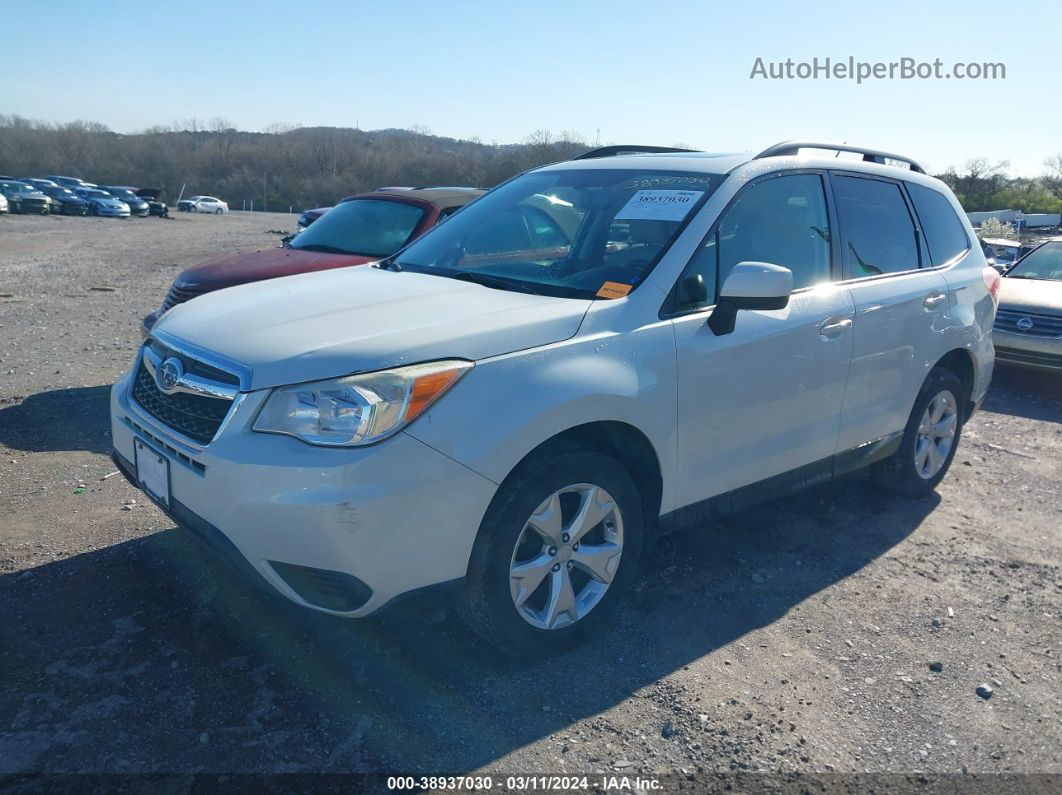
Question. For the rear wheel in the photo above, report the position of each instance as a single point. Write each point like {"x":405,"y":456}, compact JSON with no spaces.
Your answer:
{"x":929,"y":440}
{"x":557,"y":550}
{"x":218,"y":211}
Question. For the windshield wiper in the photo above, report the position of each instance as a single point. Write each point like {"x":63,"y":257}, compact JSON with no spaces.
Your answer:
{"x":487,"y":280}
{"x":389,"y":264}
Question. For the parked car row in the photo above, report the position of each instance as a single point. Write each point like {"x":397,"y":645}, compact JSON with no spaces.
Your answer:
{"x":73,"y":196}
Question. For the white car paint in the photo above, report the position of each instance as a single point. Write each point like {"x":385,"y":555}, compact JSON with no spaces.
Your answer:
{"x":3,"y":204}
{"x":840,"y":366}
{"x":208,"y":204}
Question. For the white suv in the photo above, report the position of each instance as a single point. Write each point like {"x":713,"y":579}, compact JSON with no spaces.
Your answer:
{"x":591,"y":354}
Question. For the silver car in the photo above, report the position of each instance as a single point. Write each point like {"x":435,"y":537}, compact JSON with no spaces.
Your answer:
{"x":1028,"y":329}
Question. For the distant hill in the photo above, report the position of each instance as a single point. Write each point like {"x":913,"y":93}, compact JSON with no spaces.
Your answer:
{"x":299,"y":167}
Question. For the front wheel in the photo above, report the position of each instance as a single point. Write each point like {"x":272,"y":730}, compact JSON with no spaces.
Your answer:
{"x":558,"y":549}
{"x":929,"y":440}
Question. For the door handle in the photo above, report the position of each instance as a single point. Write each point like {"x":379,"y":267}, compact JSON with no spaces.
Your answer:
{"x":934,"y":299}
{"x":832,"y":327}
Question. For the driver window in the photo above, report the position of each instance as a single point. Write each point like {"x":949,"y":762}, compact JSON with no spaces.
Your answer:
{"x":781,"y":220}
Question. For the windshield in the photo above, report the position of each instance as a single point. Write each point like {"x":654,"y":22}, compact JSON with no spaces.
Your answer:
{"x":370,"y":227}
{"x":564,"y":233}
{"x":1043,"y":263}
{"x":124,"y":194}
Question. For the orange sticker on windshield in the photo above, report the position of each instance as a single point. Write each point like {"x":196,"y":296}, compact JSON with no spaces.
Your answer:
{"x":613,"y":290}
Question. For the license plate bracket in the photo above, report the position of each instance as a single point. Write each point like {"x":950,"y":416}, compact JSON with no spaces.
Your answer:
{"x":152,"y":472}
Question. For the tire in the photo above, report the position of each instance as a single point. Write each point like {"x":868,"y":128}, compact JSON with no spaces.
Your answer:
{"x":506,"y":539}
{"x":919,"y":465}
{"x":218,"y":211}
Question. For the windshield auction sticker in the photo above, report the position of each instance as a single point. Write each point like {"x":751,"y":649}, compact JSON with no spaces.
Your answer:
{"x":613,"y":290}
{"x":659,"y":205}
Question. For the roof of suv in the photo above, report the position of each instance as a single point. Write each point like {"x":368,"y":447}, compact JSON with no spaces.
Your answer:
{"x":704,"y":162}
{"x":635,"y":157}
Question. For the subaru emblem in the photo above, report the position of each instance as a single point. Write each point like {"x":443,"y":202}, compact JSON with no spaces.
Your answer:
{"x":170,"y":374}
{"x":1024,"y":323}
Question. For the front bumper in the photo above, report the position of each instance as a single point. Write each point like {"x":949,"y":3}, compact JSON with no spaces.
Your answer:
{"x":397,"y":516}
{"x":1026,"y":350}
{"x":73,"y":209}
{"x":110,"y":212}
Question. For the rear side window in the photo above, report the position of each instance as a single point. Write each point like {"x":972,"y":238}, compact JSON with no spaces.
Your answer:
{"x":879,"y":232}
{"x":942,"y":228}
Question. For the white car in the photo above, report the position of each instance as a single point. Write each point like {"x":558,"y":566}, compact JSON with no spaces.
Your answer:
{"x":204,"y":204}
{"x":593,"y":354}
{"x":3,"y":204}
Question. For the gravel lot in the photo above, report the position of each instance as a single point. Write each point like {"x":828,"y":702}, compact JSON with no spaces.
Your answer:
{"x":794,"y":638}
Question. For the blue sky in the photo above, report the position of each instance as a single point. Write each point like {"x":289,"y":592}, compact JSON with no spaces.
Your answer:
{"x":658,"y":72}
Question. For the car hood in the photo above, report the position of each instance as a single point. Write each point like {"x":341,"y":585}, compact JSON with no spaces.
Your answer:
{"x":322,"y":325}
{"x":1042,"y":296}
{"x":253,"y":266}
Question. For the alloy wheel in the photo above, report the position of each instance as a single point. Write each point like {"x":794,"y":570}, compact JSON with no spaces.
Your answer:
{"x":566,"y":556}
{"x":936,"y":434}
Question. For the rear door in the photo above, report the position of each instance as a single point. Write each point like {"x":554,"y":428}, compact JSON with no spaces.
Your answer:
{"x":766,"y":398}
{"x":900,"y":305}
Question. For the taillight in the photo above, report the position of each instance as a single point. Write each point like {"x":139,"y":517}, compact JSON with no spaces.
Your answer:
{"x":992,"y":282}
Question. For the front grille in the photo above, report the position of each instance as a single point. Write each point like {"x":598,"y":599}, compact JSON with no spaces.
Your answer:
{"x":178,"y":295}
{"x":1042,"y":325}
{"x":196,"y":416}
{"x":1028,"y":357}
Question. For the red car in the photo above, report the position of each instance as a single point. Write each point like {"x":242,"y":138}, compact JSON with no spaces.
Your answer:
{"x":359,"y":230}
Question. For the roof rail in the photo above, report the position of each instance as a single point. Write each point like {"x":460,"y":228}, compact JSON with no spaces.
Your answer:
{"x":869,"y":155}
{"x":627,"y":149}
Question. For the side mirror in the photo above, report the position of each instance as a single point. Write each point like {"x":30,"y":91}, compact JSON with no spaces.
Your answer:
{"x":750,"y":285}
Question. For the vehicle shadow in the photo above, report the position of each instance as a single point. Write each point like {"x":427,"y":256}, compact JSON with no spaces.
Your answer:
{"x":1031,"y":394}
{"x":58,"y":420}
{"x":147,"y":656}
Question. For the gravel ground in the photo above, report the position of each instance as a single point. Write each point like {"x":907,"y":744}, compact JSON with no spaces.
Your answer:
{"x":840,"y":630}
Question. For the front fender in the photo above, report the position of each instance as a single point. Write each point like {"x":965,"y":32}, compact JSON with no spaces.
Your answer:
{"x":509,"y":405}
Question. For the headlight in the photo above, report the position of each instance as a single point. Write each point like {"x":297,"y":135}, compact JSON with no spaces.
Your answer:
{"x":358,"y":409}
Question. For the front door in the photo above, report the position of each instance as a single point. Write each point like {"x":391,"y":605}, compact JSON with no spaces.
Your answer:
{"x":766,"y":398}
